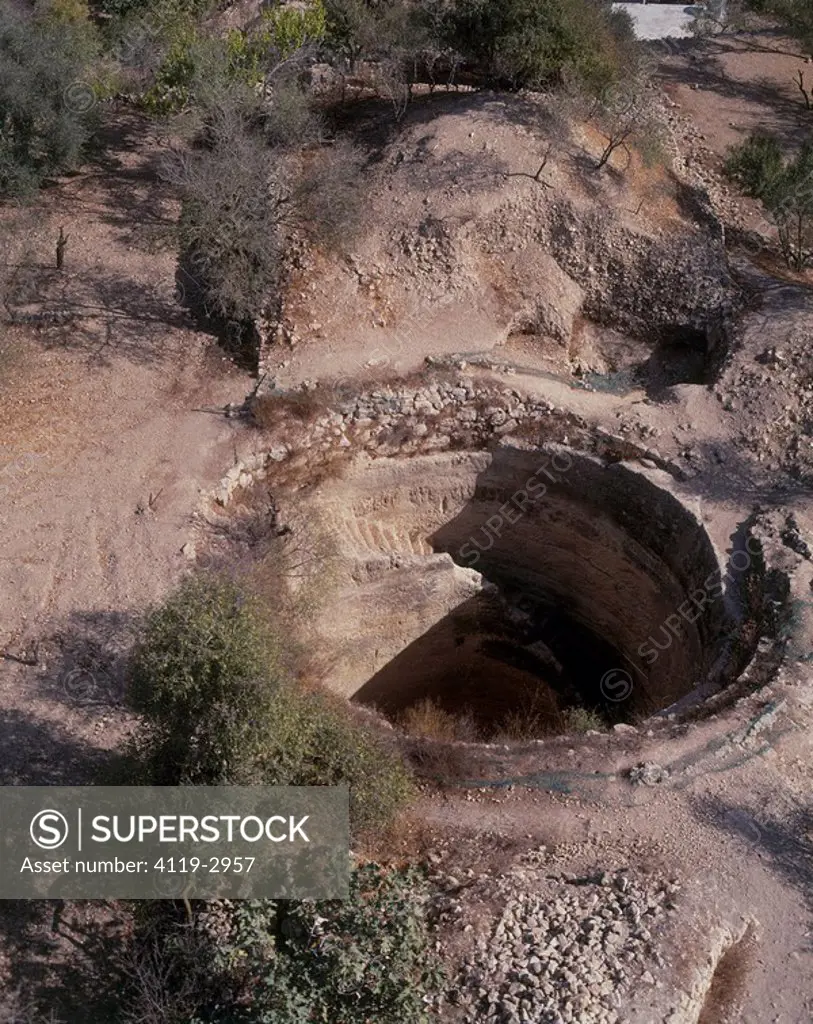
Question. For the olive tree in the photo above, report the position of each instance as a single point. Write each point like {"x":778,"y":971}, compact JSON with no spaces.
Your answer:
{"x":47,"y":99}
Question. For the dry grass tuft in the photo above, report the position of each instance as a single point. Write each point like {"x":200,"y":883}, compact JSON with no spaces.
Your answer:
{"x":531,"y":720}
{"x":582,"y":720}
{"x":271,"y":411}
{"x":429,"y":720}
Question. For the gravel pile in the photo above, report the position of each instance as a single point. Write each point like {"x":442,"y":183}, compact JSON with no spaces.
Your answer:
{"x":567,"y":957}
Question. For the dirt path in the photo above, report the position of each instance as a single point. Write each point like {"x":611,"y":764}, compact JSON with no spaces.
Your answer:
{"x":106,"y":445}
{"x":738,"y":842}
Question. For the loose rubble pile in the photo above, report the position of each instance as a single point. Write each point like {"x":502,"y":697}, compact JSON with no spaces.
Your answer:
{"x":770,"y":385}
{"x":567,"y":956}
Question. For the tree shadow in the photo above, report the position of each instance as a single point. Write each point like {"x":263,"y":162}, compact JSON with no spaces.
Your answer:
{"x":106,"y":316}
{"x":47,"y":753}
{"x":781,"y":115}
{"x":785,"y":842}
{"x":87,"y":659}
{"x":65,"y":961}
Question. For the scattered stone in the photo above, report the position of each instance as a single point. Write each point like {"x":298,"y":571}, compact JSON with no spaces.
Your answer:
{"x":648,"y":774}
{"x":568,"y":958}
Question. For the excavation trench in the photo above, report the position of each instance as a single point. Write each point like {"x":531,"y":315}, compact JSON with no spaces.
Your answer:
{"x":511,"y":587}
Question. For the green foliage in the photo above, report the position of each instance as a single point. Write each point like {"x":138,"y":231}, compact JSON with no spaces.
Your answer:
{"x":154,"y":9}
{"x":209,"y":681}
{"x":47,"y":98}
{"x":246,"y":56}
{"x":796,"y":14}
{"x":282,"y":33}
{"x":347,"y":27}
{"x":204,"y":677}
{"x":68,"y":11}
{"x":317,"y":743}
{"x":358,"y":960}
{"x":287,"y":29}
{"x":534,"y":43}
{"x":171,"y":89}
{"x":582,"y":720}
{"x":784,"y":186}
{"x":374,"y":30}
{"x":757,"y":165}
{"x":355,"y":961}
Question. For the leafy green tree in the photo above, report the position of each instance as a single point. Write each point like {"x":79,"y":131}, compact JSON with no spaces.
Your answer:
{"x":364,"y":959}
{"x":358,"y":960}
{"x":47,"y":98}
{"x":205,"y":677}
{"x":784,"y":186}
{"x":217,"y":708}
{"x":533,"y":43}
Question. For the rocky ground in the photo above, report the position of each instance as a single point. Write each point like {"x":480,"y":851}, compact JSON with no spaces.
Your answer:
{"x":566,"y":957}
{"x":657,"y":872}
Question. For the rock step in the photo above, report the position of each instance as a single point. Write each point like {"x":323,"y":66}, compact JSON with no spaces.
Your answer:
{"x":383,"y":537}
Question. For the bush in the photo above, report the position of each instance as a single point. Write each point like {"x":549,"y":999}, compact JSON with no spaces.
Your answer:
{"x":182,"y":64}
{"x":785,"y":188}
{"x":535,"y":43}
{"x":757,"y":165}
{"x":372,"y":30}
{"x":211,"y":685}
{"x":284,"y":29}
{"x":205,"y":677}
{"x":582,"y":720}
{"x":330,"y":196}
{"x":154,"y":9}
{"x":46,"y":97}
{"x":317,"y":743}
{"x":354,"y":961}
{"x":625,"y":115}
{"x":796,"y":14}
{"x":234,"y":199}
{"x":426,"y":718}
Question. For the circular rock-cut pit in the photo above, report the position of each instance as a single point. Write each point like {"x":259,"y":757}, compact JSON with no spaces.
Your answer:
{"x":511,"y":587}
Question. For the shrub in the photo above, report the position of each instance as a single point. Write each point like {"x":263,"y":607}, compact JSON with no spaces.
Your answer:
{"x":331,"y":202}
{"x":234,"y":199}
{"x":286,"y":29}
{"x":785,"y":188}
{"x":350,"y":28}
{"x":210,"y":683}
{"x":46,"y":97}
{"x":582,"y":720}
{"x":181,"y":66}
{"x":625,"y":116}
{"x":337,"y":749}
{"x":796,"y":14}
{"x":363,"y":959}
{"x":284,"y":33}
{"x":154,"y":9}
{"x":428,"y":719}
{"x":534,"y":43}
{"x":204,"y":677}
{"x":757,"y":165}
{"x":289,"y":119}
{"x":70,"y":11}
